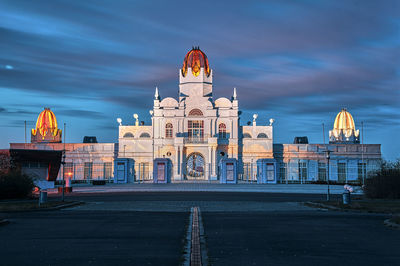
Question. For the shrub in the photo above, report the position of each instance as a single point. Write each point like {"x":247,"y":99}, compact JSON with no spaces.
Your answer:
{"x":14,"y":184}
{"x":385,"y":183}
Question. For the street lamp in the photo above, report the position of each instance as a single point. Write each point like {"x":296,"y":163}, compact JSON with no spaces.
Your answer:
{"x":327,"y":177}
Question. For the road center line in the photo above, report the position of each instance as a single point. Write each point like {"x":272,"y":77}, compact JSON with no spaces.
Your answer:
{"x":195,"y":248}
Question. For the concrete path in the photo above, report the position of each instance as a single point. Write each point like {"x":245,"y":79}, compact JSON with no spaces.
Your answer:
{"x":210,"y":187}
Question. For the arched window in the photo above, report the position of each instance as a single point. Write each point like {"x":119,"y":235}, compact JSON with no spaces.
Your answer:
{"x":144,"y":135}
{"x":262,"y":136}
{"x":128,"y":135}
{"x":246,"y":136}
{"x":168,"y":130}
{"x":195,"y":112}
{"x":222,"y":131}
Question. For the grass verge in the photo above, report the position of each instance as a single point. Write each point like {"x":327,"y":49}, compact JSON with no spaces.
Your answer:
{"x":367,"y":205}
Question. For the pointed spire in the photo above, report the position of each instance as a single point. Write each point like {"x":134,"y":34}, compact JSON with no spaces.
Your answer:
{"x":234,"y":93}
{"x":156,"y":95}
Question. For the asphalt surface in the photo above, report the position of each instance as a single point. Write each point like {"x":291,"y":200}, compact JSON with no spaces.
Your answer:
{"x":93,"y":238}
{"x":300,"y":238}
{"x":240,"y":229}
{"x":197,"y":196}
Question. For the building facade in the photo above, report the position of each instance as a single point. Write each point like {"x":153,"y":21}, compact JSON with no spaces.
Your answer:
{"x":196,"y":132}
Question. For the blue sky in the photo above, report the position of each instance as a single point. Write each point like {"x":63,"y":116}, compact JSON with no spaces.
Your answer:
{"x":299,"y":62}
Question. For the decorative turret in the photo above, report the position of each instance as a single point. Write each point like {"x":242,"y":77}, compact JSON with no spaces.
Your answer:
{"x":46,"y":128}
{"x":195,"y":76}
{"x":344,"y":130}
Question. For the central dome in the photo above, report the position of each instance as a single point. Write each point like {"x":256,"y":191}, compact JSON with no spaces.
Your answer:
{"x":195,"y":59}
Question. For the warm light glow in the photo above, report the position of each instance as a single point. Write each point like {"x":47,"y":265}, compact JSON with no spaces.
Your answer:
{"x":46,"y":123}
{"x":344,"y":121}
{"x":195,"y":59}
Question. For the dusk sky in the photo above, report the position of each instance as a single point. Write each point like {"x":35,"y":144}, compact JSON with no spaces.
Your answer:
{"x":299,"y":62}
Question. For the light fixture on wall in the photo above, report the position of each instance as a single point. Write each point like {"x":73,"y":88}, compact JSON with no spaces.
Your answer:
{"x":119,"y":120}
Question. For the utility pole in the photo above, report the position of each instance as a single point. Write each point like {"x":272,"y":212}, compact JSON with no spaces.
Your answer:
{"x":328,"y":156}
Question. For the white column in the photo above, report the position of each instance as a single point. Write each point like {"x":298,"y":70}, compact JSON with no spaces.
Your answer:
{"x":176,"y":164}
{"x":214,"y":160}
{"x":181,"y":162}
{"x":232,"y":133}
{"x":209,"y":163}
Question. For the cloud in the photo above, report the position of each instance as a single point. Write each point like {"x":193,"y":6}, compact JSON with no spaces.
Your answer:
{"x":85,"y":114}
{"x":300,"y":62}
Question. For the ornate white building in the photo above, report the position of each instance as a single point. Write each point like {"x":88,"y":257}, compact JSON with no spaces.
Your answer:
{"x":193,"y":130}
{"x":191,"y":135}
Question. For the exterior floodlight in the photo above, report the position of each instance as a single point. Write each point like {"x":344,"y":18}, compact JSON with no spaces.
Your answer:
{"x":151,"y":112}
{"x":137,"y":120}
{"x":271,"y":121}
{"x":119,"y":120}
{"x":255,"y":117}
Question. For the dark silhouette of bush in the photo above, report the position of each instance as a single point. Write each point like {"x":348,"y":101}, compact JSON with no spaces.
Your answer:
{"x":385,"y":183}
{"x":15,"y":184}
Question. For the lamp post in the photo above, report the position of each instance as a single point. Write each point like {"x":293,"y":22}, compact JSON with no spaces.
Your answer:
{"x":63,"y":164}
{"x":362,"y":153}
{"x":327,"y":177}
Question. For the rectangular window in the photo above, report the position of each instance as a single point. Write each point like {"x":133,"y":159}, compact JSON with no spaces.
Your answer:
{"x":362,"y":171}
{"x":229,"y":172}
{"x":282,"y":172}
{"x":321,"y":171}
{"x":107,"y":170}
{"x":161,"y":171}
{"x":342,"y":172}
{"x":246,"y":171}
{"x":270,"y":172}
{"x":196,"y":129}
{"x":142,"y":171}
{"x":88,"y":170}
{"x":302,"y":171}
{"x":68,"y":170}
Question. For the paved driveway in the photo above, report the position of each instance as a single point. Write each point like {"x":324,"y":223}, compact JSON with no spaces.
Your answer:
{"x":93,"y":238}
{"x":240,"y":229}
{"x":299,"y":238}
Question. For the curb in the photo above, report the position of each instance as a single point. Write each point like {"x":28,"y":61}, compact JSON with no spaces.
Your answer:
{"x":323,"y":206}
{"x":390,"y":224}
{"x":4,"y":222}
{"x":72,"y":204}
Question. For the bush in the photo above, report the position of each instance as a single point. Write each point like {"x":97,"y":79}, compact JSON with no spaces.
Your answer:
{"x":14,"y":184}
{"x":385,"y":183}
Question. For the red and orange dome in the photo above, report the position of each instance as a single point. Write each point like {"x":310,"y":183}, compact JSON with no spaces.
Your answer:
{"x":46,"y":124}
{"x":195,"y":59}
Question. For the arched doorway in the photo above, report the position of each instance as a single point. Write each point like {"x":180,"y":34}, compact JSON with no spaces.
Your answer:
{"x":195,"y":166}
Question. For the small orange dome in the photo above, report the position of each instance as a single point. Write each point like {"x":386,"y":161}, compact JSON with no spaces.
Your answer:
{"x":195,"y":59}
{"x":46,"y":124}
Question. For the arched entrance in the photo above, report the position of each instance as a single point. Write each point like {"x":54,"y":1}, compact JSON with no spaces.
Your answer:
{"x":195,"y":166}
